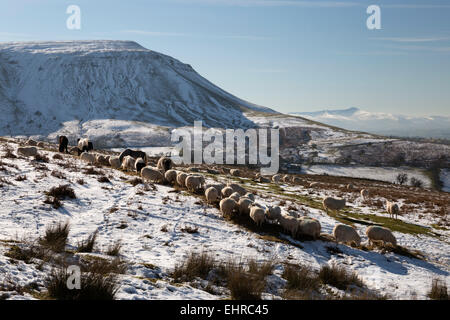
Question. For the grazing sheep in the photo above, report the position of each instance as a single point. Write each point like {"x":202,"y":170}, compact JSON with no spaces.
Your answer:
{"x":164,"y":163}
{"x":83,"y":145}
{"x":392,"y":209}
{"x":181,"y":178}
{"x":364,"y":194}
{"x":227,"y":207}
{"x":88,"y":157}
{"x":63,"y":143}
{"x":226,"y":192}
{"x":244,"y":206}
{"x":217,"y":186}
{"x":41,"y":144}
{"x":139,"y":164}
{"x":257,"y":215}
{"x":309,"y":227}
{"x":134,"y":153}
{"x":235,"y":172}
{"x":193,"y":169}
{"x":107,"y":159}
{"x":128,"y":163}
{"x":211,"y":195}
{"x":27,"y":151}
{"x":74,"y":151}
{"x":314,"y":184}
{"x":236,"y":196}
{"x":286,"y":178}
{"x":114,"y":162}
{"x":31,"y":142}
{"x":152,"y":174}
{"x":194,"y":182}
{"x":380,"y":234}
{"x":350,"y":186}
{"x":251,"y":196}
{"x":296,"y":180}
{"x":101,"y":159}
{"x":273,"y":213}
{"x":333,"y":204}
{"x":346,"y":234}
{"x":276,"y":178}
{"x":171,"y":176}
{"x":262,"y":179}
{"x":289,"y":224}
{"x":237,"y":188}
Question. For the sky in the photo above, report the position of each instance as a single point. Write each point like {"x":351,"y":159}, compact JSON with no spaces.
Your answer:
{"x":288,"y":55}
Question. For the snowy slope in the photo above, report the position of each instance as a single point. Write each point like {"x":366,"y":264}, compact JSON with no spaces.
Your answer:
{"x":383,"y":123}
{"x":74,"y":87}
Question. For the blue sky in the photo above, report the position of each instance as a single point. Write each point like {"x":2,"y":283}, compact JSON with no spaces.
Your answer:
{"x":289,"y":55}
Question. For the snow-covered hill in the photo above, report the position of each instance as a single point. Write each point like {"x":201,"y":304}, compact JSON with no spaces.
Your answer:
{"x":383,"y":123}
{"x":106,"y":87}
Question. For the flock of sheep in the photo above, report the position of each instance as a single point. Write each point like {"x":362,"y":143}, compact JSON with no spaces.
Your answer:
{"x":233,"y":199}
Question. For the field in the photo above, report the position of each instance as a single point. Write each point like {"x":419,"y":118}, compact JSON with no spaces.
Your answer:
{"x":171,"y":244}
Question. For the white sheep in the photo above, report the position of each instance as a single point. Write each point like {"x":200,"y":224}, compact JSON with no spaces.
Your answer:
{"x":392,"y":209}
{"x":164,"y":163}
{"x":276,"y":178}
{"x":296,"y":180}
{"x":194,"y":182}
{"x":211,"y":195}
{"x":333,"y":204}
{"x":273,"y":213}
{"x":244,"y":206}
{"x":237,"y":188}
{"x":217,"y":186}
{"x":139,"y":164}
{"x":114,"y":162}
{"x":152,"y":174}
{"x":286,"y":178}
{"x":309,"y":227}
{"x":171,"y":175}
{"x":128,"y":163}
{"x":88,"y":157}
{"x":350,"y":186}
{"x":236,"y":196}
{"x":380,"y":234}
{"x":346,"y":234}
{"x":257,"y":215}
{"x":289,"y":224}
{"x":27,"y":151}
{"x":235,"y":172}
{"x":100,"y":159}
{"x":31,"y":142}
{"x":181,"y":178}
{"x":226,"y":192}
{"x":364,"y":194}
{"x":227,"y":207}
{"x":83,"y":145}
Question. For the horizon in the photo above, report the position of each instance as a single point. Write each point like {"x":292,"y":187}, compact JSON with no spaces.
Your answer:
{"x":311,"y":56}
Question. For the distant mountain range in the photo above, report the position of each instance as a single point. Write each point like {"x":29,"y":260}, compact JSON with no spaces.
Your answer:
{"x":383,"y":123}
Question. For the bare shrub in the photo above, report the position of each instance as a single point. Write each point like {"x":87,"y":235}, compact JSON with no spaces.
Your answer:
{"x":93,"y":286}
{"x":114,"y":249}
{"x":92,"y":171}
{"x":242,"y":284}
{"x":300,"y":278}
{"x":339,"y":277}
{"x":57,"y":156}
{"x":61,"y":192}
{"x":41,"y":158}
{"x":103,"y":179}
{"x":416,"y":182}
{"x":88,"y":244}
{"x":54,"y":201}
{"x":189,"y":229}
{"x":195,"y":265}
{"x":58,"y":174}
{"x":21,"y":178}
{"x":438,"y":290}
{"x":401,"y":178}
{"x":56,"y":236}
{"x":80,"y":181}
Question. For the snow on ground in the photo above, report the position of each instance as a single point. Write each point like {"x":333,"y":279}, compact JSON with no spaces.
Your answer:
{"x":387,"y":174}
{"x":142,"y":215}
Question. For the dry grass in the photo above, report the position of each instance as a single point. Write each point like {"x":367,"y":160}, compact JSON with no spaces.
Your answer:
{"x":301,"y":278}
{"x":339,"y":277}
{"x":41,"y":158}
{"x":55,"y":237}
{"x":103,"y":179}
{"x":88,"y":244}
{"x":92,"y":171}
{"x":54,"y":201}
{"x":21,"y":178}
{"x":195,"y":265}
{"x":114,"y":249}
{"x":439,"y":290}
{"x":57,"y":156}
{"x":243,"y":284}
{"x":93,"y":286}
{"x":189,"y":229}
{"x":61,"y":192}
{"x":58,"y":174}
